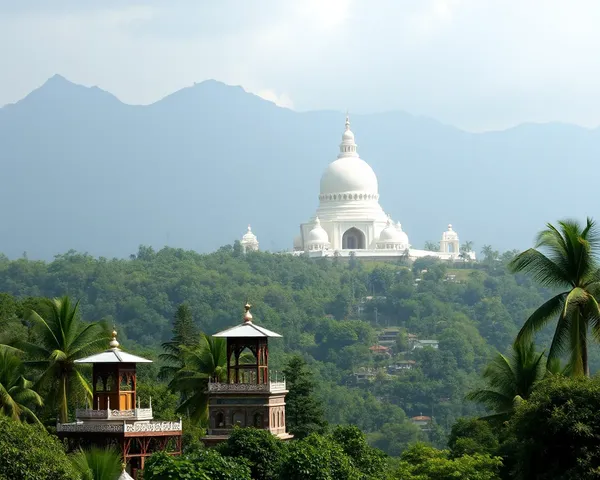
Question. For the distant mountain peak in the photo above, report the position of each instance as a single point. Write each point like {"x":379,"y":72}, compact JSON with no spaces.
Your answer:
{"x":59,"y":89}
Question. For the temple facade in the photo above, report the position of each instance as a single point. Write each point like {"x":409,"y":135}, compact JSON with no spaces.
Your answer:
{"x":250,"y":395}
{"x":350,"y":220}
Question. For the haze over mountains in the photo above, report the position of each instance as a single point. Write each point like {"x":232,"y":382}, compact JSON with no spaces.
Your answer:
{"x":82,"y":170}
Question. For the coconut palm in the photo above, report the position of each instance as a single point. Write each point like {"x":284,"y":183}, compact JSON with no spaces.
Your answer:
{"x":97,"y":463}
{"x":565,"y":258}
{"x":202,"y":363}
{"x":61,"y":338}
{"x":16,"y":394}
{"x":510,"y":380}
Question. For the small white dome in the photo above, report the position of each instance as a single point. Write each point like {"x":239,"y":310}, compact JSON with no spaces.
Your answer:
{"x":249,"y":237}
{"x":450,"y":234}
{"x":390,"y":234}
{"x":318,"y":235}
{"x":403,"y":234}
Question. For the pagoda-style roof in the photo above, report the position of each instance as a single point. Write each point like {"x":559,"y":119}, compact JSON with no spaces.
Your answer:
{"x":113,"y":355}
{"x":246,"y":329}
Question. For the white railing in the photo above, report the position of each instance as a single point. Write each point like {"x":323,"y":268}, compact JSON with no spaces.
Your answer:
{"x":270,"y":387}
{"x":133,"y":427}
{"x":135,"y":414}
{"x":153,"y":427}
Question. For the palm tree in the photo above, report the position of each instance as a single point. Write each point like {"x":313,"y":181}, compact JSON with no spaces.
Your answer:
{"x":185,"y":334}
{"x":16,"y":394}
{"x":205,"y":362}
{"x":97,"y":463}
{"x":60,"y":339}
{"x":510,"y":380}
{"x":565,"y":257}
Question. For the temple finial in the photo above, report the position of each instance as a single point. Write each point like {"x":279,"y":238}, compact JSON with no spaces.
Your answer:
{"x":114,"y":343}
{"x":247,"y":314}
{"x":347,"y":120}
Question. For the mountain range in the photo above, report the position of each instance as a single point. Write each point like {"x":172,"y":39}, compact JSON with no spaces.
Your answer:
{"x":79,"y":169}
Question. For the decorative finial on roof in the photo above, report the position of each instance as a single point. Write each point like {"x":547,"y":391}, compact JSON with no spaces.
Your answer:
{"x":317,"y":221}
{"x":247,"y":314}
{"x":450,"y":227}
{"x":347,"y":120}
{"x":114,"y":343}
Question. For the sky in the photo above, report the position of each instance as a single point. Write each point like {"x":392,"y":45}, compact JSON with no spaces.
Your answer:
{"x":477,"y":64}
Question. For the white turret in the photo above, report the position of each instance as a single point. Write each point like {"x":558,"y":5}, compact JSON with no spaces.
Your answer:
{"x":249,"y":241}
{"x":450,"y":243}
{"x":390,"y":238}
{"x":317,"y":237}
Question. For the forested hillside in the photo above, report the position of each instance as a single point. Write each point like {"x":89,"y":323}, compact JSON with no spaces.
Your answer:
{"x":329,"y":311}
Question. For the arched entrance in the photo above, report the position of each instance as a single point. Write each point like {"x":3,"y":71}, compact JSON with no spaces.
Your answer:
{"x":353,"y":239}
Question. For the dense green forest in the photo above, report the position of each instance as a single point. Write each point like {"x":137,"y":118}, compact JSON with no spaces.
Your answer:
{"x":328,"y":311}
{"x":395,"y":349}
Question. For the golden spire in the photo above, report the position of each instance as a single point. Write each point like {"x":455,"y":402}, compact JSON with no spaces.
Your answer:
{"x":114,"y":343}
{"x":247,"y":314}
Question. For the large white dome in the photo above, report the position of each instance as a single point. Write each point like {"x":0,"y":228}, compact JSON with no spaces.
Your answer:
{"x":349,"y":174}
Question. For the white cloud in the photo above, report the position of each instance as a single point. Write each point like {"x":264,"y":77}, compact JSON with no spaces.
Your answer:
{"x":281,"y":100}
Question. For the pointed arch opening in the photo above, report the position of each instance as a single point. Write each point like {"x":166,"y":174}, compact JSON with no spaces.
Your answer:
{"x":353,"y":239}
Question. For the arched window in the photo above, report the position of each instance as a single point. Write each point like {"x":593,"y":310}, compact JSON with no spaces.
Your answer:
{"x":239,"y":419}
{"x":353,"y":239}
{"x":219,"y":420}
{"x":258,"y":420}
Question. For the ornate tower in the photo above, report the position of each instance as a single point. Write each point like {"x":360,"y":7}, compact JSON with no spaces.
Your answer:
{"x":116,"y":417}
{"x":250,"y":397}
{"x":450,"y":243}
{"x":249,"y":241}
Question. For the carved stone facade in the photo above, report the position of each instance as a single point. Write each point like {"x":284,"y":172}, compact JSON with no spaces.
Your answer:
{"x":228,"y":408}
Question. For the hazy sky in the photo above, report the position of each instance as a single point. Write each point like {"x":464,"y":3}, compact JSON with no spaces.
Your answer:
{"x":478,"y":64}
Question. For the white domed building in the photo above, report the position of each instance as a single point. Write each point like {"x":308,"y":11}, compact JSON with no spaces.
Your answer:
{"x":350,"y":219}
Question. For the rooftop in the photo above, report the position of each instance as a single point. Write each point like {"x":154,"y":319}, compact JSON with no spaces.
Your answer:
{"x":113,"y":355}
{"x":247,"y":329}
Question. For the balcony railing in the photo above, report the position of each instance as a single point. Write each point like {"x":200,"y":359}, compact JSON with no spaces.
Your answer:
{"x":135,"y":414}
{"x":133,"y":427}
{"x":270,"y":387}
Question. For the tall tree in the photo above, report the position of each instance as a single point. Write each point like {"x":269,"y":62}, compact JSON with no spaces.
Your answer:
{"x":16,"y":395}
{"x":510,"y":380}
{"x":204,"y":362}
{"x":185,"y":334}
{"x":565,"y":257}
{"x":303,"y":412}
{"x":60,"y":339}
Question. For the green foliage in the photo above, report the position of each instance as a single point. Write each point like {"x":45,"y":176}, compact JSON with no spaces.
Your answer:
{"x":304,"y":413}
{"x":201,"y":465}
{"x":17,"y":397}
{"x":97,"y":463}
{"x":556,"y":433}
{"x":164,"y":402}
{"x":162,"y":466}
{"x":471,"y":436}
{"x":185,"y":334}
{"x":60,"y":339}
{"x":201,"y":363}
{"x":260,"y":448}
{"x":510,"y":380}
{"x":27,"y":452}
{"x":368,"y":460}
{"x":565,"y":258}
{"x":320,"y":458}
{"x":421,"y":462}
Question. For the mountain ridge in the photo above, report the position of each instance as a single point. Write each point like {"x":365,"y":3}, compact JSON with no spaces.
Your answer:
{"x":194,"y":168}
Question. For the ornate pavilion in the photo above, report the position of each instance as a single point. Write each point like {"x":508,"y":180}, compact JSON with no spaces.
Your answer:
{"x":116,"y":416}
{"x":250,"y":396}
